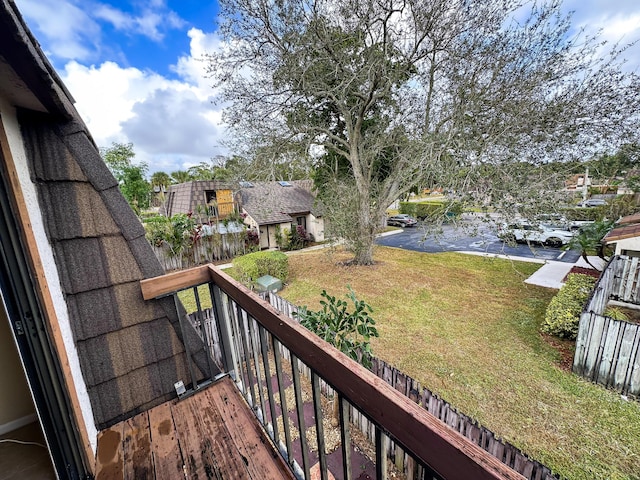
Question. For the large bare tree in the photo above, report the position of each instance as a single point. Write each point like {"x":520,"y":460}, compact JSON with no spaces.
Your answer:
{"x":461,"y":93}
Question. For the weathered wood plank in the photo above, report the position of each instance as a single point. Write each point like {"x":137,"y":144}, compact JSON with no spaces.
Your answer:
{"x":136,"y":446}
{"x":109,"y":455}
{"x":167,"y":459}
{"x":246,"y":439}
{"x":191,"y":440}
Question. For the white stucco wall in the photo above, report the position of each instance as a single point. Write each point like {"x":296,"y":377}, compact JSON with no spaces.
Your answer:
{"x":628,"y":245}
{"x":16,"y":146}
{"x":315,"y":226}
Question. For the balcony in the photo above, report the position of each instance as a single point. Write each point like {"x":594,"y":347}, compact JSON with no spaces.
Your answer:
{"x":288,"y":406}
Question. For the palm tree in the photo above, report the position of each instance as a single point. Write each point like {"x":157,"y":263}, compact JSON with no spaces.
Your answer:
{"x":161,"y":180}
{"x":589,"y":240}
{"x":180,"y":176}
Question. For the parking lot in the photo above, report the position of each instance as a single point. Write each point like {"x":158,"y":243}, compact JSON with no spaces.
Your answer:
{"x":471,"y":235}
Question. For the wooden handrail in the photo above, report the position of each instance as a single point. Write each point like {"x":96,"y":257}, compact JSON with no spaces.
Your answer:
{"x":448,"y":453}
{"x":158,"y":286}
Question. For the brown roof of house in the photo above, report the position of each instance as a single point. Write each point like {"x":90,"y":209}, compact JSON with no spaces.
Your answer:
{"x":271,"y":202}
{"x":629,"y":219}
{"x":622,"y":232}
{"x":131,"y":351}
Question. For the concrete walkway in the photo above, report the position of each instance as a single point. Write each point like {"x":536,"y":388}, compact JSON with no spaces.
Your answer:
{"x":551,"y":274}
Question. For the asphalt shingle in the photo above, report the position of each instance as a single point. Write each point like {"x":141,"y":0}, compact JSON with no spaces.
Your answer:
{"x":86,"y":154}
{"x":270,"y":202}
{"x":93,"y":313}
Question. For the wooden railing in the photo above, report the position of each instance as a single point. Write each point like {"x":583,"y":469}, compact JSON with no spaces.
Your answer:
{"x":251,"y":336}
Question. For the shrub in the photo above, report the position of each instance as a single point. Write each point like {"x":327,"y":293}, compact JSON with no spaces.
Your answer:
{"x":616,"y":314}
{"x":297,"y":238}
{"x":349,"y":331}
{"x":432,"y":210}
{"x":156,"y":229}
{"x":563,"y":313}
{"x":248,"y":268}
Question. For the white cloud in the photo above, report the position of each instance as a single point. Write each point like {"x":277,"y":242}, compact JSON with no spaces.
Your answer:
{"x":171,"y":123}
{"x":72,"y":27}
{"x":70,"y":32}
{"x":119,"y":19}
{"x":192,"y":67}
{"x":151,"y":22}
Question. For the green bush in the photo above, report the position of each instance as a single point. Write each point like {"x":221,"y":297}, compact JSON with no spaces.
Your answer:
{"x":563,"y":313}
{"x":432,"y":210}
{"x":248,"y":268}
{"x":350,"y":332}
{"x":156,"y":229}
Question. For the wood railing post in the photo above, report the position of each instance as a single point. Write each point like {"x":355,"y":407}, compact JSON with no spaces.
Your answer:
{"x":224,"y":329}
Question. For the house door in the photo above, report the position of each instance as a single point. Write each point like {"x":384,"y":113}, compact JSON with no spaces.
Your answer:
{"x":38,"y":364}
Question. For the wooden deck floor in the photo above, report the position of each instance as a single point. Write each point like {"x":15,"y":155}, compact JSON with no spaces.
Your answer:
{"x":211,"y":434}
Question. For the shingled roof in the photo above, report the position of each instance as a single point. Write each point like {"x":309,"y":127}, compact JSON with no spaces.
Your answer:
{"x":271,"y":202}
{"x":186,"y":197}
{"x":628,"y":227}
{"x":131,"y":351}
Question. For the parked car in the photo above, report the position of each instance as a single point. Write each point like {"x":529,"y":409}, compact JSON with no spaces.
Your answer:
{"x":402,"y":220}
{"x":535,"y":233}
{"x":592,"y":202}
{"x":560,"y":222}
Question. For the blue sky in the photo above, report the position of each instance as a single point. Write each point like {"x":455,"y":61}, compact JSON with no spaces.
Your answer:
{"x":135,"y":69}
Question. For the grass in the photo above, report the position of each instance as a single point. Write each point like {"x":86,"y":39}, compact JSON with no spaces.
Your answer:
{"x":189,"y":301}
{"x":467,"y":328}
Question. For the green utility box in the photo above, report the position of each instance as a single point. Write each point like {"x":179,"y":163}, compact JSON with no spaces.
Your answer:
{"x":267,"y":283}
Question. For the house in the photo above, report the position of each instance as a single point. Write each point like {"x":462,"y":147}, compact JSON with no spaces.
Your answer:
{"x":278,"y":206}
{"x":96,"y":349}
{"x":216,"y":197}
{"x":625,"y":236}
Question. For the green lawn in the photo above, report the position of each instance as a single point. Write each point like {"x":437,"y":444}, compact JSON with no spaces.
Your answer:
{"x":467,"y":327}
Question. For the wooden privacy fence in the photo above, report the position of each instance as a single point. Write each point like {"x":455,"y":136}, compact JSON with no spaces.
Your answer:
{"x":208,"y":248}
{"x":608,"y":350}
{"x":481,"y":436}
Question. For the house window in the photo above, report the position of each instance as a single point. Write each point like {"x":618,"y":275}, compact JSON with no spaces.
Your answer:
{"x":302,"y":221}
{"x":212,"y":202}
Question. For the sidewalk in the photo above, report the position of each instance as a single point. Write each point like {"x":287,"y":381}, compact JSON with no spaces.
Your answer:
{"x":552,"y":273}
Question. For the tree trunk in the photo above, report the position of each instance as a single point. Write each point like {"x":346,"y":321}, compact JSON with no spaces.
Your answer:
{"x":363,"y":251}
{"x":364,"y":255}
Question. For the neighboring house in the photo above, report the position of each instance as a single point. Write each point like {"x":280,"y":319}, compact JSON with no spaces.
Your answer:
{"x":625,"y":236}
{"x":273,"y":206}
{"x":81,"y":349}
{"x":577,"y":182}
{"x":216,"y":197}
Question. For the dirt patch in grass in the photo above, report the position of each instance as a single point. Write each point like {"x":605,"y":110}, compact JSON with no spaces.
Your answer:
{"x":566,"y":350}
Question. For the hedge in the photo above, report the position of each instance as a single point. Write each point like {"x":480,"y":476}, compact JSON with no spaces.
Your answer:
{"x":585,"y":214}
{"x":563,"y":313}
{"x":432,"y":210}
{"x":248,"y":268}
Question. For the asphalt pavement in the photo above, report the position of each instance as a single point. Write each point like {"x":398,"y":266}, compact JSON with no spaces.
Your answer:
{"x":471,"y":238}
{"x":475,"y":237}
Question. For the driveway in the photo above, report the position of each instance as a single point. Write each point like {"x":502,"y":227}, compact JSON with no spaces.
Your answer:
{"x":471,"y":237}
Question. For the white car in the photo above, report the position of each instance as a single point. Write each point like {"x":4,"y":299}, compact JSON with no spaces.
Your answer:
{"x":535,"y":233}
{"x":593,"y":202}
